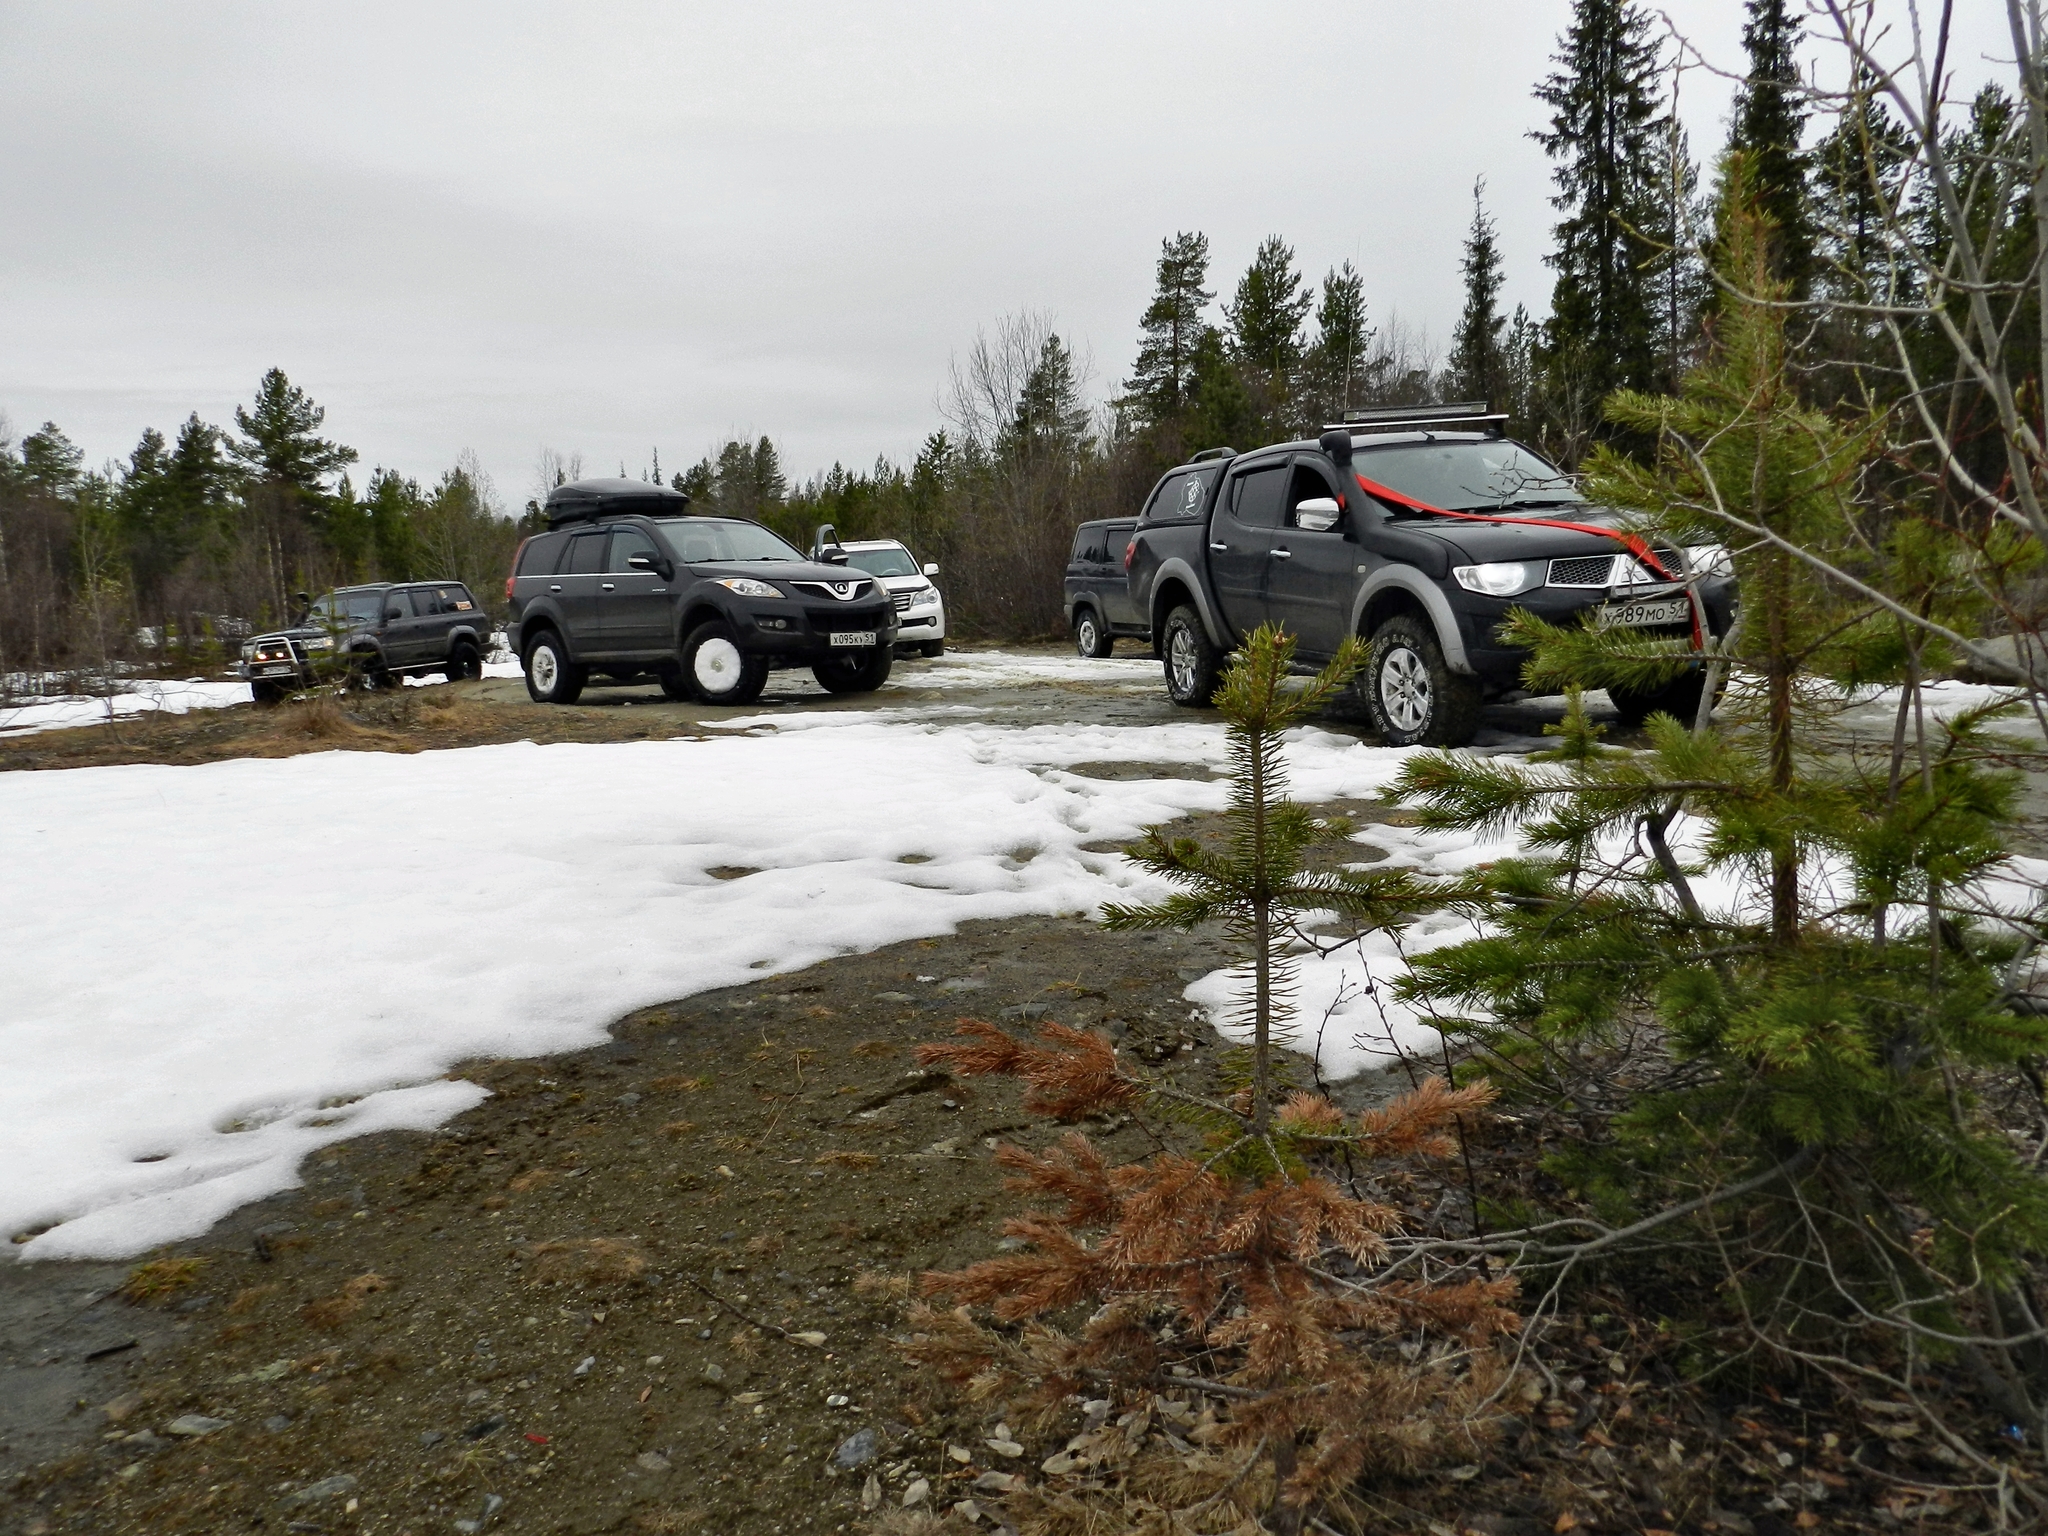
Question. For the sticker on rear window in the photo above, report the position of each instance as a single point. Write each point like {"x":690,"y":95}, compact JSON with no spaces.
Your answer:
{"x":464,"y":607}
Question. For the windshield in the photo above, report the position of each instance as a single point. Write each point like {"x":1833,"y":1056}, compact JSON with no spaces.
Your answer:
{"x":705,"y":541}
{"x":894,"y":560}
{"x":346,"y":608}
{"x":1468,"y":476}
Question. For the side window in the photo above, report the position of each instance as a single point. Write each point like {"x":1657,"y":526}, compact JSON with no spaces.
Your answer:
{"x":1080,"y":554}
{"x":1098,"y":546}
{"x":1309,"y":482}
{"x":627,"y":542}
{"x":541,"y":554}
{"x":427,"y":602}
{"x":1169,"y":500}
{"x":586,"y":555}
{"x":402,"y":601}
{"x":456,"y":599}
{"x":1256,"y":497}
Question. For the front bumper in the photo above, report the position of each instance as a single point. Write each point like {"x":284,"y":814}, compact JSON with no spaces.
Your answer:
{"x":794,"y":635}
{"x":1500,"y":666}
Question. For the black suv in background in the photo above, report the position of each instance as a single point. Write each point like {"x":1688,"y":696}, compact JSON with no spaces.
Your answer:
{"x":626,"y":584}
{"x":370,"y":636}
{"x":1099,"y":606}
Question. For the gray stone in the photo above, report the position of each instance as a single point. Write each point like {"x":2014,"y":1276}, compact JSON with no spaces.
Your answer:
{"x":628,"y":1100}
{"x":894,"y":997}
{"x":429,"y":1438}
{"x":858,"y":1449}
{"x":338,"y":1487}
{"x":651,"y":1461}
{"x":1027,"y":1011}
{"x":194,"y":1425}
{"x":278,"y":1423}
{"x":963,"y":984}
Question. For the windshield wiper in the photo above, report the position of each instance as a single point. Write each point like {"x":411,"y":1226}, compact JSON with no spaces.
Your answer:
{"x":1533,"y":502}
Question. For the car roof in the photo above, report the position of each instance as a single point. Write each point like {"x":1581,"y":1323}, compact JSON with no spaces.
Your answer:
{"x":873,"y":544}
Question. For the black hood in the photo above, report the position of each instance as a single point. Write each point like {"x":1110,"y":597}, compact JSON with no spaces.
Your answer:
{"x":1522,"y":537}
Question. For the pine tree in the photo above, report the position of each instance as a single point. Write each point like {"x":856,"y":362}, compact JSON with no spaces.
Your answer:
{"x":1478,"y":365}
{"x":1051,"y":415}
{"x":1230,"y":1258}
{"x":1606,"y":135}
{"x":1162,"y":379}
{"x":280,"y":440}
{"x":1334,"y":369}
{"x":1265,"y":316}
{"x":393,"y":505}
{"x":1221,"y":411}
{"x":1768,"y":940}
{"x":1768,"y":123}
{"x":51,"y":462}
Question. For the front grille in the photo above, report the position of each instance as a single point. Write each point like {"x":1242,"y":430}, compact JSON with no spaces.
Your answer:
{"x":902,"y":599}
{"x":858,"y":584}
{"x":1582,"y":571}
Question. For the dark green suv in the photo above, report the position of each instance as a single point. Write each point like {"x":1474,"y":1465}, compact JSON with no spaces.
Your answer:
{"x":369,"y":637}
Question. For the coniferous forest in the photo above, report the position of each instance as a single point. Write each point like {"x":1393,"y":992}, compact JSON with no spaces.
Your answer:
{"x":205,"y":527}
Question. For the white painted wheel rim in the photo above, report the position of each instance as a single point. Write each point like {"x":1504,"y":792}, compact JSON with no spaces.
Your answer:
{"x":1087,"y":635}
{"x":546,"y":669}
{"x":1404,"y":688}
{"x":717,"y":666}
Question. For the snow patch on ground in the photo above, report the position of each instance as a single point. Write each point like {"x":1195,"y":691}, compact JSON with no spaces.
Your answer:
{"x":61,"y":712}
{"x":215,"y":969}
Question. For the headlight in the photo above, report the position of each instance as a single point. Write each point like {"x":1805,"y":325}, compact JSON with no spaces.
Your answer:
{"x":1503,"y":578}
{"x":320,"y":643}
{"x":925,"y":598}
{"x":746,"y":586}
{"x":1709,"y":560}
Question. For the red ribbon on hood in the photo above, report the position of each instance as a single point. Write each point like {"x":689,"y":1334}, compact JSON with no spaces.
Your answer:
{"x":1629,"y":541}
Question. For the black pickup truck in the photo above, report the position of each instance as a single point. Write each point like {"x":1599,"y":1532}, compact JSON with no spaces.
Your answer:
{"x":1418,"y":529}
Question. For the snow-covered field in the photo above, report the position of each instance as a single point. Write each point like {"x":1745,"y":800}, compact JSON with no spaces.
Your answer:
{"x":210,"y":971}
{"x":213,"y":970}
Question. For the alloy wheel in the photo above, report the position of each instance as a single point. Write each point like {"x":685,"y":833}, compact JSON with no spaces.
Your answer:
{"x":717,"y":666}
{"x":1404,"y":688}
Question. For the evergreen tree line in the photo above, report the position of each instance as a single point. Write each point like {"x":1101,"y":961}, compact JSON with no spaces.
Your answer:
{"x":225,"y":524}
{"x":173,"y":553}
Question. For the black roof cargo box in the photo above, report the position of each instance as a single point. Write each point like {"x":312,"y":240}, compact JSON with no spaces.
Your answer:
{"x":582,"y":501}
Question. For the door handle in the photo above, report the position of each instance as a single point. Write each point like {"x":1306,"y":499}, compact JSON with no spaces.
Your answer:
{"x":555,"y":586}
{"x":1219,"y":548}
{"x":607,"y":586}
{"x":1283,"y":554}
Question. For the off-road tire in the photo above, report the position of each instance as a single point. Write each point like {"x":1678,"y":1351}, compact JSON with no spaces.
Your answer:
{"x":931,"y":648}
{"x":551,"y":677}
{"x":675,"y":686}
{"x":1679,"y":698}
{"x":1416,"y":700}
{"x":859,"y":673}
{"x":1192,"y":663}
{"x":1091,"y":636}
{"x":266,"y":694}
{"x":465,"y":662}
{"x":714,"y":668}
{"x":367,"y":673}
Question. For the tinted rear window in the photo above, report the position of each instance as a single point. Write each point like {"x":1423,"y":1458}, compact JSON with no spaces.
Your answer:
{"x":540,"y":554}
{"x":1181,"y":494}
{"x":586,"y":554}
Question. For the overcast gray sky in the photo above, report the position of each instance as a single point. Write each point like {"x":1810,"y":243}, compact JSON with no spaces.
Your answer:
{"x":619,"y":225}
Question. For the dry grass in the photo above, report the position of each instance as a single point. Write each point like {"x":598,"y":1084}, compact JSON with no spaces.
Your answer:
{"x":249,"y":1299}
{"x":855,"y":1160}
{"x":318,"y":719}
{"x":669,"y":1522}
{"x":678,"y":1083}
{"x":880,"y":1283}
{"x":330,"y":1312}
{"x":160,"y":1278}
{"x":586,"y":1261}
{"x":531,"y":1180}
{"x":679,"y":1128}
{"x":877,"y":1048}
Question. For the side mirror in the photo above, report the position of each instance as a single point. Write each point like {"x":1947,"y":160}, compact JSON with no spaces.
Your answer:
{"x":832,"y":554}
{"x":1318,"y":514}
{"x":931,"y":570}
{"x":394,"y":612}
{"x":825,"y":538}
{"x":660,"y":567}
